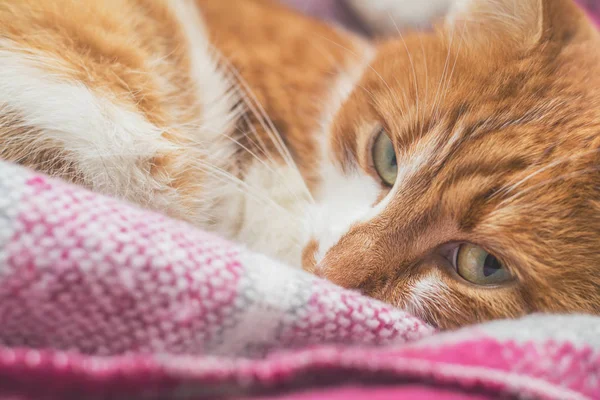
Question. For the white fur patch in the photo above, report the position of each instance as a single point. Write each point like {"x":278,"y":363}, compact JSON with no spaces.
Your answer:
{"x":112,"y":144}
{"x":268,"y":212}
{"x":109,"y":143}
{"x":341,"y":199}
{"x":425,"y":294}
{"x":213,"y":86}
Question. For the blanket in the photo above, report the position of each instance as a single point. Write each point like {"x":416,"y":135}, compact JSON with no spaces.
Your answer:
{"x":100,"y":299}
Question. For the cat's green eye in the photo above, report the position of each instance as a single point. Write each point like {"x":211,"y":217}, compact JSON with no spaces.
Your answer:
{"x":384,"y":159}
{"x":478,"y":266}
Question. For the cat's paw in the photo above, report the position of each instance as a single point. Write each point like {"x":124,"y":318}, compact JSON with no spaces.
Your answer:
{"x":386,"y":17}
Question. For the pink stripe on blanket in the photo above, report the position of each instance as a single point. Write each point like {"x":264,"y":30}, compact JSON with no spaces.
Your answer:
{"x":413,"y":392}
{"x":531,"y":374}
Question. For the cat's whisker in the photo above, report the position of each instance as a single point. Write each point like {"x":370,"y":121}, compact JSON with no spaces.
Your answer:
{"x":511,"y":188}
{"x":247,"y":189}
{"x":372,"y":96}
{"x":323,"y":52}
{"x":379,"y":76}
{"x":254,"y":106}
{"x":412,"y":66}
{"x":272,"y":170}
{"x":446,"y":88}
{"x":428,"y":294}
{"x":272,"y":133}
{"x":426,"y":93}
{"x":245,"y":102}
{"x":266,"y":163}
{"x":325,"y":103}
{"x":438,"y":95}
{"x":267,"y":160}
{"x":261,"y":143}
{"x":562,"y":177}
{"x":269,"y":128}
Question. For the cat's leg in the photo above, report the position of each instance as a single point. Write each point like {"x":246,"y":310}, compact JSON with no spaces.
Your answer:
{"x":123,"y":102}
{"x":386,"y":17}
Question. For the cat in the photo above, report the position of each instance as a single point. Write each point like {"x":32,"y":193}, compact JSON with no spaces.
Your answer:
{"x":451,"y":172}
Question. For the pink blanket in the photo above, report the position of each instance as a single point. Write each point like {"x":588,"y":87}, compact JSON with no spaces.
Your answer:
{"x":99,"y":299}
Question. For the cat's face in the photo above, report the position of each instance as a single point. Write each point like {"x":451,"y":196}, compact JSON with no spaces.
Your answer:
{"x":463,"y":172}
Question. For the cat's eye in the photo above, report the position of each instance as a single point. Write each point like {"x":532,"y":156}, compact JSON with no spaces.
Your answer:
{"x":477,"y":266}
{"x":384,"y":158}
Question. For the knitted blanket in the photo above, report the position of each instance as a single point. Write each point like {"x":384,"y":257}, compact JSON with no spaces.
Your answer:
{"x":103,"y":300}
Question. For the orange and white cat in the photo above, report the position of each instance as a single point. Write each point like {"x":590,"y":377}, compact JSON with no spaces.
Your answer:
{"x":455,"y":173}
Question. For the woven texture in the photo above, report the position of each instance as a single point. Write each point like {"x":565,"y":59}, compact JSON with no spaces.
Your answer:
{"x":101,"y":298}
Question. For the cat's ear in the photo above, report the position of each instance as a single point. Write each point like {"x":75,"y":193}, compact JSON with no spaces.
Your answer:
{"x":518,"y":22}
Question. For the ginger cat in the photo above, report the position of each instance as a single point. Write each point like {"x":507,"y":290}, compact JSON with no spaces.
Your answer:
{"x":454,"y":173}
